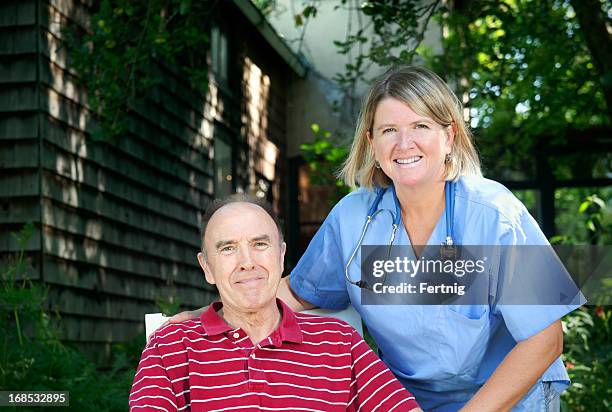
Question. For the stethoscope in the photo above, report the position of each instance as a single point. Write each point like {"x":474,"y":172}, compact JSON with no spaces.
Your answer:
{"x":447,"y":249}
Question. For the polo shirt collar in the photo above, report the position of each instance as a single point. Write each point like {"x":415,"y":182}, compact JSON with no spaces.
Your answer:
{"x":212,"y":323}
{"x":288,"y":330}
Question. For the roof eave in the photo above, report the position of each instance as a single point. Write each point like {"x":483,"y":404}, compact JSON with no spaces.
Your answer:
{"x":271,"y":36}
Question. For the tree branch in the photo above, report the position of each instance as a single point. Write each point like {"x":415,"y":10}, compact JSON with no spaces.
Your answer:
{"x":593,"y":25}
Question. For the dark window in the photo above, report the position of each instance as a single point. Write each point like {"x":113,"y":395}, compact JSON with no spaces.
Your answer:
{"x":219,"y":54}
{"x":224,"y":168}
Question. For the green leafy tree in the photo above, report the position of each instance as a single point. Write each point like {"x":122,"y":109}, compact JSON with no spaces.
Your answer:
{"x":324,"y":156}
{"x":529,"y":78}
{"x":531,"y":72}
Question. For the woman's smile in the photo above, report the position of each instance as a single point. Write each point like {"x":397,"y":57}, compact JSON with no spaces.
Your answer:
{"x":408,"y":161}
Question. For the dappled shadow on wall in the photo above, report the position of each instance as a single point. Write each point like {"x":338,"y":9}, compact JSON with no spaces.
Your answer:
{"x":120,"y":217}
{"x":263,"y":153}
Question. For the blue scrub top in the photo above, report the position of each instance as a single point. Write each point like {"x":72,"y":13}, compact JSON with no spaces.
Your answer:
{"x":443,"y":354}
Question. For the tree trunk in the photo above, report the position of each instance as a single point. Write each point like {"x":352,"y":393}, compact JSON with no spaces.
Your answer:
{"x":593,"y":25}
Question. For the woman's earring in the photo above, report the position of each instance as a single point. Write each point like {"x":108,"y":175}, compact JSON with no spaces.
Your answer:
{"x":376,"y":164}
{"x":448,"y":158}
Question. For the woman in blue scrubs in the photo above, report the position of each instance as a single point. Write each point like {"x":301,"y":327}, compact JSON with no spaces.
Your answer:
{"x":411,"y":135}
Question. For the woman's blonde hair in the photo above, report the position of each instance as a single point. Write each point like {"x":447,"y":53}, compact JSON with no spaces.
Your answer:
{"x":427,"y":95}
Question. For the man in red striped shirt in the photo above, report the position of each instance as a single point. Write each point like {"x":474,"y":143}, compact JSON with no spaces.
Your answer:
{"x":251,"y":352}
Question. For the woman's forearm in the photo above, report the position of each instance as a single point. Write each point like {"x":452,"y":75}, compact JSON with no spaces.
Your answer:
{"x":519,"y":371}
{"x":292,"y":300}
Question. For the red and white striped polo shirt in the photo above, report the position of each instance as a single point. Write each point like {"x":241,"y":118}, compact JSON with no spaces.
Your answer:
{"x":309,"y":363}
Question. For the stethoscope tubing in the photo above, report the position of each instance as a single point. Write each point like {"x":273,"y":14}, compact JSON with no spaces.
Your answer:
{"x":449,"y":211}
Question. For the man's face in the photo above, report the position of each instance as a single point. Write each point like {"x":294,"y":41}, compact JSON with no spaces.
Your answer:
{"x":244,"y":256}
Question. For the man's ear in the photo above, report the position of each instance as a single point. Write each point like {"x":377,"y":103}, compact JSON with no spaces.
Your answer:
{"x":204,"y":265}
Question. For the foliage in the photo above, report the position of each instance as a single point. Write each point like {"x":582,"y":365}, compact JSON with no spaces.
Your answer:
{"x":168,"y":306}
{"x":265,"y":6}
{"x":324,"y":157}
{"x":588,"y":335}
{"x":584,"y":216}
{"x":33,"y":358}
{"x":530,"y":80}
{"x":397,"y":29}
{"x":118,"y":57}
{"x":588,"y":358}
{"x":522,"y":67}
{"x":593,"y":206}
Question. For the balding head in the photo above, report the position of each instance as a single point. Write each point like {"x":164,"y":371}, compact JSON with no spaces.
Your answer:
{"x":237,"y":198}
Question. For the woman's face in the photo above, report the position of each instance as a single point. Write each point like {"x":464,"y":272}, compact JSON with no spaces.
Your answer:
{"x":410,"y":148}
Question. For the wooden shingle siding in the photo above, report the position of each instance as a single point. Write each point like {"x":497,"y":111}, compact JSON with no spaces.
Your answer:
{"x":118,"y":283}
{"x":19,"y":190}
{"x":116,"y":171}
{"x":8,"y":243}
{"x":108,"y":234}
{"x":117,"y":222}
{"x":113,"y":210}
{"x":18,"y":69}
{"x":89,"y":332}
{"x":126,"y":187}
{"x":18,"y":40}
{"x":19,"y":125}
{"x":120,"y":218}
{"x":19,"y":182}
{"x":18,"y":97}
{"x":20,"y":153}
{"x":18,"y":209}
{"x":103,"y":306}
{"x":17,"y":13}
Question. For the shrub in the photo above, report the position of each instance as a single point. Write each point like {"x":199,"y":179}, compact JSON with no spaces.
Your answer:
{"x":33,"y":358}
{"x":588,"y":358}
